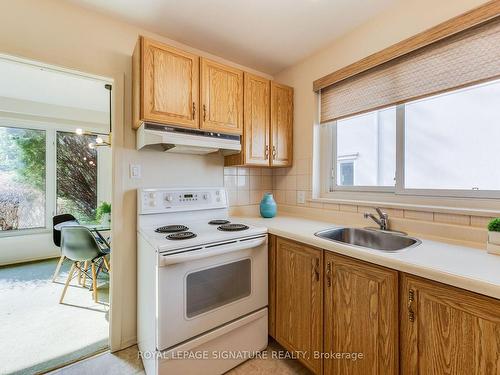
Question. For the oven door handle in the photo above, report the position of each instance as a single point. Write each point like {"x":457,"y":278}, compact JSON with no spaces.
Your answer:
{"x":211,"y":250}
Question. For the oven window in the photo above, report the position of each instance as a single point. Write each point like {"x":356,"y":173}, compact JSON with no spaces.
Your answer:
{"x":214,"y":287}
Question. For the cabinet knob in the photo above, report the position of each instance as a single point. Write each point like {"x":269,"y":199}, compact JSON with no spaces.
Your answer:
{"x":274,"y":152}
{"x":267,"y":152}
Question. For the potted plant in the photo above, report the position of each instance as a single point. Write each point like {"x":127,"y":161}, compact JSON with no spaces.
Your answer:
{"x":493,"y":245}
{"x":103,"y":213}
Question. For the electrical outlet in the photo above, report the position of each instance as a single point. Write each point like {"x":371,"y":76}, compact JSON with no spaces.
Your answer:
{"x":301,"y":197}
{"x":135,"y":171}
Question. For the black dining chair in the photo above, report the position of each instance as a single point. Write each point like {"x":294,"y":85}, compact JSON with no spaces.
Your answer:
{"x":56,"y":237}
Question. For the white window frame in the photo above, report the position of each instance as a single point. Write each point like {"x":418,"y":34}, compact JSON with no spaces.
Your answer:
{"x":50,"y":168}
{"x":329,"y":189}
{"x":331,"y":148}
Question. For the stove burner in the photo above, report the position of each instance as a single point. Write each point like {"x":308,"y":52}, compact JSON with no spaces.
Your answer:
{"x":181,"y":236}
{"x":171,"y":229}
{"x":218,"y":222}
{"x":232,"y":227}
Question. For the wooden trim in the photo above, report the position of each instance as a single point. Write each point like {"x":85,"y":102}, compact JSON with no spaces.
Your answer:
{"x":445,"y":29}
{"x":272,"y":284}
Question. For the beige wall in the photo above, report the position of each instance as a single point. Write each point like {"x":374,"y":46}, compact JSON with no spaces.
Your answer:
{"x":59,"y":33}
{"x":405,"y":19}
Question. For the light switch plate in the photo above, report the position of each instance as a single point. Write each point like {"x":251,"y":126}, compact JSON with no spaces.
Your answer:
{"x":135,"y":171}
{"x":301,"y":197}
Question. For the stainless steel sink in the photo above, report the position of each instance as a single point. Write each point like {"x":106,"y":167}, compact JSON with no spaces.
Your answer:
{"x":369,"y":238}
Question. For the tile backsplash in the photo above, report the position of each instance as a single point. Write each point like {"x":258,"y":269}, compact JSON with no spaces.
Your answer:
{"x":246,"y":186}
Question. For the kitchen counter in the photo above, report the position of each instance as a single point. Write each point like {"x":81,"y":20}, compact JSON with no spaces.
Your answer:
{"x":460,"y":266}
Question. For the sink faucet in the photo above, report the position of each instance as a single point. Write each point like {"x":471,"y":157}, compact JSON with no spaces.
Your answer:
{"x":382,"y":220}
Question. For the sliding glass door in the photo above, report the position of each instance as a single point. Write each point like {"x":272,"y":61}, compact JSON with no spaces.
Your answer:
{"x":22,"y":178}
{"x":76,"y":176}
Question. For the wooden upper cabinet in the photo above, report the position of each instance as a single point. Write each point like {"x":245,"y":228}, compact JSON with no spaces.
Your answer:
{"x":361,"y":316}
{"x":298,"y":300}
{"x":166,"y":85}
{"x":256,"y":125}
{"x":446,"y":330}
{"x":281,"y":125}
{"x":221,"y":98}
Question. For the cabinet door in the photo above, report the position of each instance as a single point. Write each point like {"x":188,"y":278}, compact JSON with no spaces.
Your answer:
{"x":298,"y":300}
{"x":256,"y":120}
{"x":221,"y":98}
{"x":170,"y":79}
{"x":446,"y":330}
{"x":281,"y":125}
{"x":361,"y":316}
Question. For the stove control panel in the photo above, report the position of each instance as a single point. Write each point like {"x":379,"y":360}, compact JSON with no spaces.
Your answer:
{"x":171,"y":200}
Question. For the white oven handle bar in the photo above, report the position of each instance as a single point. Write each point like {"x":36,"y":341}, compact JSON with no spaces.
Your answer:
{"x":211,"y":250}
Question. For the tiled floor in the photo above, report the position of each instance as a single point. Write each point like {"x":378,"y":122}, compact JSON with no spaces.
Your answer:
{"x":31,"y":316}
{"x":126,"y":362}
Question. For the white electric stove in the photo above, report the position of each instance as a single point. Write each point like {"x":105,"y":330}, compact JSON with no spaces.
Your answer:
{"x":202,"y":283}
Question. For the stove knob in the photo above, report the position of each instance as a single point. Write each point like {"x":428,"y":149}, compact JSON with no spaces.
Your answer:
{"x":169,"y":198}
{"x":205,"y":196}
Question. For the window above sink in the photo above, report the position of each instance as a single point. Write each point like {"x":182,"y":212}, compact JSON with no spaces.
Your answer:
{"x":441,"y":146}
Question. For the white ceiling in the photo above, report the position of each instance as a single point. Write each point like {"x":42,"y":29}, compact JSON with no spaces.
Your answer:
{"x":266,"y":35}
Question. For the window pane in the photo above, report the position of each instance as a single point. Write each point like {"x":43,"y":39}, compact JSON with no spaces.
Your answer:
{"x":22,"y":178}
{"x":368,"y":143}
{"x":76,"y":176}
{"x":452,"y":140}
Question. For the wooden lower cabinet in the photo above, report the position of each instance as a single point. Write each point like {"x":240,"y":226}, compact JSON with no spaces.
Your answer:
{"x":446,"y":330}
{"x":361,"y":316}
{"x":299,"y":301}
{"x":321,"y":302}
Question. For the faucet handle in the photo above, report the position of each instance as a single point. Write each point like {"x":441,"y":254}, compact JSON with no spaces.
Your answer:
{"x":381,"y":213}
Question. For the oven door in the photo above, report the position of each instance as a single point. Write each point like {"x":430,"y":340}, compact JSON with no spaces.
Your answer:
{"x":204,"y":289}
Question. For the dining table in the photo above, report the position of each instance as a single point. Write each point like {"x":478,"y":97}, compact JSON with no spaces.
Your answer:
{"x":96,"y":228}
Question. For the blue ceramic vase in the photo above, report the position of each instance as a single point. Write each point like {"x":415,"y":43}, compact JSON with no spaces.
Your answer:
{"x":268,"y":206}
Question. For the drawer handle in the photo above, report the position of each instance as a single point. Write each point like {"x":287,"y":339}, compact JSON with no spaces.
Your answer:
{"x":411,"y":299}
{"x":329,"y":274}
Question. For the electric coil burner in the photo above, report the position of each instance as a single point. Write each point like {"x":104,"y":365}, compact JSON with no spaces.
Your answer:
{"x":171,"y":229}
{"x":181,"y":236}
{"x":218,"y":222}
{"x":232,"y":227}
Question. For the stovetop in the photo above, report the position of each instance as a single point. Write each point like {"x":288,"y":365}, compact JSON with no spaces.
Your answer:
{"x":173,"y":219}
{"x":203,"y":233}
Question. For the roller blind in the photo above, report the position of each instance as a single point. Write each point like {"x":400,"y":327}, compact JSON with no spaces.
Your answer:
{"x":466,"y":58}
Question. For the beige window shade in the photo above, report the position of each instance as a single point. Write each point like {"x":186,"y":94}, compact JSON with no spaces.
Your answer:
{"x":463,"y":59}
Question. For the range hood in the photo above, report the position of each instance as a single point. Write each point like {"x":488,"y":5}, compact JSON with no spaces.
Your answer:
{"x":186,"y":141}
